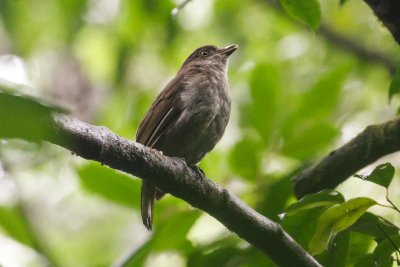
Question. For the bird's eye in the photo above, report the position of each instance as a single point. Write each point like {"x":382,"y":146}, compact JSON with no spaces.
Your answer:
{"x":204,"y":53}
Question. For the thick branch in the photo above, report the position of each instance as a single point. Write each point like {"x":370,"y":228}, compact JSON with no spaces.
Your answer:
{"x":388,"y":11}
{"x":371,"y":144}
{"x":171,"y":175}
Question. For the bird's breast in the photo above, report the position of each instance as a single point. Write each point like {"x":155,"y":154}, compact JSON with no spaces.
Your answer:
{"x":206,"y":91}
{"x":204,"y":106}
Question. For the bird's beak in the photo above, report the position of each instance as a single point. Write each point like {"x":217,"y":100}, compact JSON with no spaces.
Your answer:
{"x":228,"y":50}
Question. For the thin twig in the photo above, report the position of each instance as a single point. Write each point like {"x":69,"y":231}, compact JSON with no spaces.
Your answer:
{"x":391,"y":203}
{"x":179,"y":7}
{"x":386,"y":206}
{"x":388,"y":238}
{"x":388,"y":222}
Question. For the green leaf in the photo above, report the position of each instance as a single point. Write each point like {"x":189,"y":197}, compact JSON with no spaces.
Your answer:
{"x":307,"y":11}
{"x":245,"y":158}
{"x":138,"y":257}
{"x":171,"y":235}
{"x":309,"y":139}
{"x":321,"y":100}
{"x":336,"y":255}
{"x":223,"y":252}
{"x":12,"y":222}
{"x":219,"y":256}
{"x":370,"y":224}
{"x":326,"y":197}
{"x":360,"y":245}
{"x":265,"y":89}
{"x":24,"y":117}
{"x":366,"y":260}
{"x":275,"y":194}
{"x":310,"y":128}
{"x":394,"y":87}
{"x":179,"y":224}
{"x":382,"y":175}
{"x":337,"y":218}
{"x":383,"y":252}
{"x":302,"y":225}
{"x":110,"y":184}
{"x":344,"y":215}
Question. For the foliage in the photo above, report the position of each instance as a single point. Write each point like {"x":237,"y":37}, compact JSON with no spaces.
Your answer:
{"x":395,"y":84}
{"x":297,"y":95}
{"x":307,"y":11}
{"x":335,"y":220}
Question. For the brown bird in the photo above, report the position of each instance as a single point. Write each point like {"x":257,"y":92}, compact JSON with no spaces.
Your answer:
{"x":189,"y":116}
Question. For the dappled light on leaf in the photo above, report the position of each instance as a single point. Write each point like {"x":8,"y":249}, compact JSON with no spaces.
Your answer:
{"x":338,"y":218}
{"x":323,"y":198}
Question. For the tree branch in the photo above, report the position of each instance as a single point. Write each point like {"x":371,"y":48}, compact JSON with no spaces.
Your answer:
{"x":347,"y":43}
{"x":171,"y":175}
{"x":368,"y":146}
{"x":354,"y":47}
{"x":376,"y":141}
{"x":388,"y":11}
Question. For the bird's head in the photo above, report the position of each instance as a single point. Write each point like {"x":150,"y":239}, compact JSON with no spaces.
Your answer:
{"x":210,"y":55}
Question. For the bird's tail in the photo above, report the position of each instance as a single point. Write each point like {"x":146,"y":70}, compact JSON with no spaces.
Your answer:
{"x":148,"y":196}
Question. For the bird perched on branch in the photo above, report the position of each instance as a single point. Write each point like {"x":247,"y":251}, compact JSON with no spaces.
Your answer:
{"x":189,"y":116}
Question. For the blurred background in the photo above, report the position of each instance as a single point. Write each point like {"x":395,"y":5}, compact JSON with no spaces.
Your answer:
{"x":297,"y":94}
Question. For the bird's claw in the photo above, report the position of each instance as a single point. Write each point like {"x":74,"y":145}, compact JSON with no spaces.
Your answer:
{"x":198,"y":171}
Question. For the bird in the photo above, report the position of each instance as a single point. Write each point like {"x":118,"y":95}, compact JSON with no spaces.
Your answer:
{"x":189,"y":116}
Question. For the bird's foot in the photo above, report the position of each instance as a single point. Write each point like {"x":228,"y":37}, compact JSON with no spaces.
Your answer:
{"x":157,"y":151}
{"x":198,"y":171}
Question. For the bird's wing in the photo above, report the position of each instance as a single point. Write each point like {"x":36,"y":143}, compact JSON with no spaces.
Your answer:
{"x":161,"y":115}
